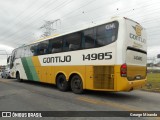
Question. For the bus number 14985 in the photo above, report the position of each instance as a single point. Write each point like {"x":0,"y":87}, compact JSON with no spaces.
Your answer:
{"x":98,"y":56}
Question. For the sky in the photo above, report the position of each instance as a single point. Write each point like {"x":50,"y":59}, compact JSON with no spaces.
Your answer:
{"x":21,"y":21}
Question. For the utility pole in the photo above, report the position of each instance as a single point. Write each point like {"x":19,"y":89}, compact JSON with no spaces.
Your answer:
{"x":49,"y":27}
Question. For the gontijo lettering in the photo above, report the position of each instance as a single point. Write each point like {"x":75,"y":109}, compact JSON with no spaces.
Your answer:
{"x":138,"y":30}
{"x":57,"y":59}
{"x":137,"y":38}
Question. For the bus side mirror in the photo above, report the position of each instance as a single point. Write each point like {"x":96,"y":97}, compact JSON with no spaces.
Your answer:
{"x":8,"y":59}
{"x":158,"y":56}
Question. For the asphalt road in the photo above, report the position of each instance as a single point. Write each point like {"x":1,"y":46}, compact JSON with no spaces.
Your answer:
{"x":31,"y":96}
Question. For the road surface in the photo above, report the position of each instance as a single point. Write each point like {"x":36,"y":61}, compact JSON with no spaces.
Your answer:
{"x":31,"y":96}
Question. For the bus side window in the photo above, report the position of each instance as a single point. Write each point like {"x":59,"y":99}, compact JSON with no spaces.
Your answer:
{"x":65,"y":45}
{"x":30,"y":53}
{"x":56,"y":45}
{"x":106,"y":34}
{"x":43,"y":48}
{"x":89,"y":38}
{"x":73,"y":41}
{"x":33,"y":49}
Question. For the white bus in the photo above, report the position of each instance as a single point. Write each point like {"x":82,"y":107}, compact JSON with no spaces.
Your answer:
{"x":110,"y":56}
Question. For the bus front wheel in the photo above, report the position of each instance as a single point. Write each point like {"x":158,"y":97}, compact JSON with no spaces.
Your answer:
{"x":18,"y":77}
{"x":77,"y":84}
{"x":62,"y":83}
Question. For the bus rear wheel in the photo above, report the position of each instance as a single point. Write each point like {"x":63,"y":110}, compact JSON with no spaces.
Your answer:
{"x":62,"y":83}
{"x":77,"y":84}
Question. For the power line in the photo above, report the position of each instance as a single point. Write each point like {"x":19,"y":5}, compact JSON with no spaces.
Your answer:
{"x":21,"y":21}
{"x":19,"y":15}
{"x":61,"y":5}
{"x":18,"y":31}
{"x":84,"y":5}
{"x":37,"y":11}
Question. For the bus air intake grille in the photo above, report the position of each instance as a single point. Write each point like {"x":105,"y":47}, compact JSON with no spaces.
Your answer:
{"x":103,"y":77}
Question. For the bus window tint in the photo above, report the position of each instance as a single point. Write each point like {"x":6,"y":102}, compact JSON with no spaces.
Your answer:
{"x":30,"y":52}
{"x":56,"y":45}
{"x":89,"y":38}
{"x":43,"y":48}
{"x":107,"y":33}
{"x":34,"y":49}
{"x":73,"y":41}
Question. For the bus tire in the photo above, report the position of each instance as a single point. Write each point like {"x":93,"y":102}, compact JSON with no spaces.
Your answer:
{"x":62,"y":83}
{"x":76,"y":84}
{"x":18,"y":77}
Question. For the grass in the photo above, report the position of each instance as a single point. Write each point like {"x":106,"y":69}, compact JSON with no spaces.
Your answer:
{"x":153,"y":82}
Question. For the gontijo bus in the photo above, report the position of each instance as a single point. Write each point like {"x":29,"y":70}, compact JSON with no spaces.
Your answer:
{"x":110,"y":56}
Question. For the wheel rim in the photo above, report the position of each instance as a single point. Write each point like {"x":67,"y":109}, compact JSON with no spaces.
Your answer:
{"x":62,"y":82}
{"x":77,"y":84}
